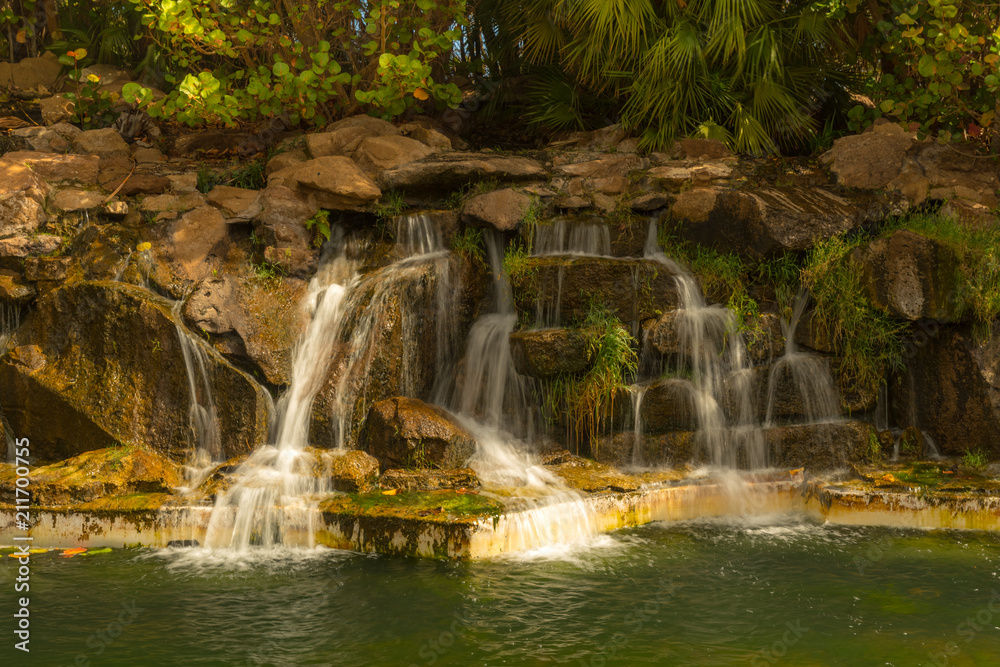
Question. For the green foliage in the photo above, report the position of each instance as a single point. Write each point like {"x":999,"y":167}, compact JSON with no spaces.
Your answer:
{"x":752,"y":71}
{"x":313,"y":60}
{"x":941,"y":68}
{"x":267,"y":275}
{"x":975,"y":459}
{"x":517,"y":265}
{"x":588,"y":399}
{"x":874,"y":452}
{"x":469,"y":244}
{"x":389,"y":207}
{"x":91,"y":105}
{"x":319,"y":224}
{"x":867,"y":341}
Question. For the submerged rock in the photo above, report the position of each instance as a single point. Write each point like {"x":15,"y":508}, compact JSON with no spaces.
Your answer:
{"x":408,"y":433}
{"x":99,"y":364}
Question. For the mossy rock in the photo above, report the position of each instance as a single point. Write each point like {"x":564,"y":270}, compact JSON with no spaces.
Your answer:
{"x":100,"y":364}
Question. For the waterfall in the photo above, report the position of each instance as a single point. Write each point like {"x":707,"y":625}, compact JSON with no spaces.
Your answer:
{"x":713,"y":355}
{"x":636,"y":393}
{"x":568,"y":237}
{"x":203,"y":419}
{"x":494,"y":403}
{"x":809,"y":375}
{"x":276,"y":491}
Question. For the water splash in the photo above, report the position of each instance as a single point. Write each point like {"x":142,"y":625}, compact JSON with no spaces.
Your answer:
{"x":10,"y":321}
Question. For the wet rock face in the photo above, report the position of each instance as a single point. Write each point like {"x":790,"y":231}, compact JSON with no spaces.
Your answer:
{"x":764,"y":222}
{"x":911,"y":276}
{"x":819,"y":446}
{"x":668,"y":405}
{"x":408,"y":433}
{"x":562,"y":289}
{"x":446,"y":172}
{"x":100,"y":364}
{"x":951,"y":389}
{"x":546,"y":353}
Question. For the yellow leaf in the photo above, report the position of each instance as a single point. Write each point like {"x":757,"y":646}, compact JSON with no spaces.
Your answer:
{"x":420,"y":94}
{"x":390,"y":492}
{"x":21,"y":37}
{"x":93,"y":77}
{"x":143,"y":247}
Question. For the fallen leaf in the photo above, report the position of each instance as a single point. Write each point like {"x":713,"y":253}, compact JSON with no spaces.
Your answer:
{"x":390,"y":492}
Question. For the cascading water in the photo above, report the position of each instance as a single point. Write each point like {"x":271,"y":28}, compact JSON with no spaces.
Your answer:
{"x":274,"y":493}
{"x":808,"y":373}
{"x":277,"y":489}
{"x":713,"y":355}
{"x":203,"y":419}
{"x":10,"y":320}
{"x":494,"y":403}
{"x":572,"y":237}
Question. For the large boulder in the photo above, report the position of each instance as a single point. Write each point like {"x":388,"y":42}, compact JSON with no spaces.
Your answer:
{"x":870,"y":160}
{"x":951,"y":388}
{"x":911,"y":276}
{"x":100,"y":364}
{"x":400,"y":332}
{"x":668,"y":405}
{"x":408,"y":433}
{"x":104,"y":143}
{"x":768,"y":221}
{"x":351,"y":472}
{"x":345,"y":136}
{"x":377,"y":153}
{"x":502,"y":209}
{"x":333,"y":182}
{"x":446,"y":172}
{"x":31,"y":74}
{"x":195,"y":243}
{"x":605,"y":167}
{"x":547,"y":353}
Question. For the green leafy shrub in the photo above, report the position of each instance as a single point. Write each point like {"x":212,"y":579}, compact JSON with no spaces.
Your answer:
{"x":313,"y":60}
{"x":91,"y":105}
{"x":940,"y":62}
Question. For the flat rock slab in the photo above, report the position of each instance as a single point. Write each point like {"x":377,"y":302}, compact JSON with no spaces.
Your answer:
{"x":442,"y":173}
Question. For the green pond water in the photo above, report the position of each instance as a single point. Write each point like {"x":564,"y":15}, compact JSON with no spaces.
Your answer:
{"x":705,"y":593}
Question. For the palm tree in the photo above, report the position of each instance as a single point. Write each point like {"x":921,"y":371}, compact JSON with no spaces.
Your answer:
{"x":751,"y":72}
